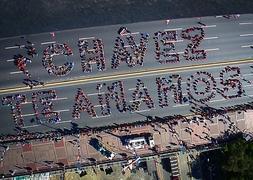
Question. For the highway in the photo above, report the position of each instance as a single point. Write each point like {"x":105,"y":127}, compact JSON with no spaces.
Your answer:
{"x":226,"y":41}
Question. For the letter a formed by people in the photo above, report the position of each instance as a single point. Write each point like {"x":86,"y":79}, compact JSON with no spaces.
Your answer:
{"x":82,"y":103}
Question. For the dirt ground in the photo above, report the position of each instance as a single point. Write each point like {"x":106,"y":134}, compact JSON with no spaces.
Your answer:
{"x":29,"y":16}
{"x":101,"y":175}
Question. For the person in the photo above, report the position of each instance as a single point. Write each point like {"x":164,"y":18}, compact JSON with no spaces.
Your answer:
{"x":28,"y":82}
{"x":123,"y":30}
{"x":201,"y":23}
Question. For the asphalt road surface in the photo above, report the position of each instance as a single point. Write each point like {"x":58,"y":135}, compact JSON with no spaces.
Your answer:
{"x":226,"y":41}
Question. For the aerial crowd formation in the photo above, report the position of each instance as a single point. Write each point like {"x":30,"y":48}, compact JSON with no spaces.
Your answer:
{"x":201,"y":87}
{"x":130,"y":48}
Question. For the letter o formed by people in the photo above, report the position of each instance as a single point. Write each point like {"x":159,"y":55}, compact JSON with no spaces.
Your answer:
{"x":201,"y":86}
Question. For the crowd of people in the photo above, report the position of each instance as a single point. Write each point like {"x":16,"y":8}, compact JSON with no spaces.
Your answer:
{"x":21,"y":62}
{"x":104,"y":102}
{"x":82,"y":103}
{"x":43,"y":105}
{"x":129,"y":52}
{"x":232,"y":82}
{"x":167,"y":54}
{"x":14,"y":101}
{"x":30,"y":49}
{"x":53,"y":50}
{"x":90,"y":56}
{"x":140,"y":95}
{"x":31,"y":83}
{"x":164,"y":86}
{"x":117,"y":93}
{"x":195,"y":83}
{"x":192,"y":52}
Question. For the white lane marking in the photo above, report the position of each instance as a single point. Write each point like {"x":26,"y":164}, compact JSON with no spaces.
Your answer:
{"x":93,"y":94}
{"x":64,"y":110}
{"x":133,"y":33}
{"x":32,"y":114}
{"x":14,"y":47}
{"x":10,"y":60}
{"x":181,"y":105}
{"x":101,"y":116}
{"x":176,"y":53}
{"x":144,"y":110}
{"x":86,"y":38}
{"x":61,"y":122}
{"x":245,"y":23}
{"x":208,"y":26}
{"x":57,"y":99}
{"x":175,"y":29}
{"x":16,"y":72}
{"x":131,"y":89}
{"x":214,"y":49}
{"x":36,"y":125}
{"x":99,"y":105}
{"x":248,"y":85}
{"x":245,"y":46}
{"x":217,"y":100}
{"x":207,"y":38}
{"x":130,"y":46}
{"x":25,"y":115}
{"x":31,"y":126}
{"x":247,"y":74}
{"x":218,"y":16}
{"x":179,"y":40}
{"x":136,"y":100}
{"x":246,"y":34}
{"x":49,"y":42}
{"x":63,"y":98}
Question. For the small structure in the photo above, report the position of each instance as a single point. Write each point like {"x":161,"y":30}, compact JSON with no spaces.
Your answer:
{"x":138,"y":141}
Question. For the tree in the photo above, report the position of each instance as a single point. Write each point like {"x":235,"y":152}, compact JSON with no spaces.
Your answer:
{"x":238,"y":159}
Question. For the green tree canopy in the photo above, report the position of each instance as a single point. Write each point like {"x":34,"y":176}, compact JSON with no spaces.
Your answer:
{"x":237,"y":159}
